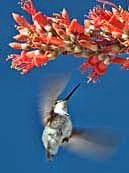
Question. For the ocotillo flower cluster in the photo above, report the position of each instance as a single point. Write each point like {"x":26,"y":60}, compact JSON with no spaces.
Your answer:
{"x":103,"y":36}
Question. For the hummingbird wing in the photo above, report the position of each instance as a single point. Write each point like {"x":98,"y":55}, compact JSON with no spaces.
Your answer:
{"x":52,"y":88}
{"x":96,"y":143}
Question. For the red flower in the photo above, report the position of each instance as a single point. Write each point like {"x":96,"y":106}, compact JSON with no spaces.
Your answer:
{"x":28,"y":6}
{"x":115,"y":22}
{"x":75,"y":27}
{"x":97,"y":65}
{"x":123,"y":62}
{"x":104,"y":35}
{"x":27,"y":60}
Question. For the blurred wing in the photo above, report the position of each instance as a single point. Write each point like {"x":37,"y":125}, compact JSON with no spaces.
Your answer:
{"x":52,"y":88}
{"x":93,"y":142}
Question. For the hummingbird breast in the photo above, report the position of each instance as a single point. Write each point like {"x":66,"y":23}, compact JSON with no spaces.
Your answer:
{"x":62,"y":124}
{"x":56,"y":131}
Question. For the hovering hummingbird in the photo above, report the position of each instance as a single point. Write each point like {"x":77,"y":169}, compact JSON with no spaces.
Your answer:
{"x":58,"y":130}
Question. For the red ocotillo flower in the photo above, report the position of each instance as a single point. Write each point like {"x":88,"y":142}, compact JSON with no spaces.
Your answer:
{"x":104,"y":35}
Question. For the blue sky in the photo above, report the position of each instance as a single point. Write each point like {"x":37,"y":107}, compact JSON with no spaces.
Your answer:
{"x":104,"y":104}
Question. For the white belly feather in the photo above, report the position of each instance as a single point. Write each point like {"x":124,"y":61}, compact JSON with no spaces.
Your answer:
{"x":54,"y":136}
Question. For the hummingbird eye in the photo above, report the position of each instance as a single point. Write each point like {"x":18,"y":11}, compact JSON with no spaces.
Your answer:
{"x":58,"y":101}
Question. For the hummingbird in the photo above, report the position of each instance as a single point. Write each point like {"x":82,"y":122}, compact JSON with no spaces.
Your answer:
{"x":58,"y":129}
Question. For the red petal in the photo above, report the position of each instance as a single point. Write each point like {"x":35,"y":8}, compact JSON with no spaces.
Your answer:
{"x":39,"y":60}
{"x":20,"y":20}
{"x":42,"y":20}
{"x":28,"y":6}
{"x":75,"y":27}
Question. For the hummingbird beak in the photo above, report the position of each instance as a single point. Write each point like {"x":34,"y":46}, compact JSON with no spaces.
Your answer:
{"x":71,"y":93}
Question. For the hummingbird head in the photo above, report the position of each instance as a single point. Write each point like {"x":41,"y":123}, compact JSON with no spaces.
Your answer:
{"x":61,"y":107}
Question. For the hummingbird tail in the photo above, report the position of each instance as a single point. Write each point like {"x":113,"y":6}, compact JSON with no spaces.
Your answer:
{"x":49,"y":156}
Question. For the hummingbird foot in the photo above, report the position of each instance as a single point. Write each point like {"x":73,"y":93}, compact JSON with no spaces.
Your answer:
{"x":65,"y":140}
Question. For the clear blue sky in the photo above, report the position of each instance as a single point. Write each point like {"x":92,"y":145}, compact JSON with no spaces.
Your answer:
{"x":105,"y":104}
